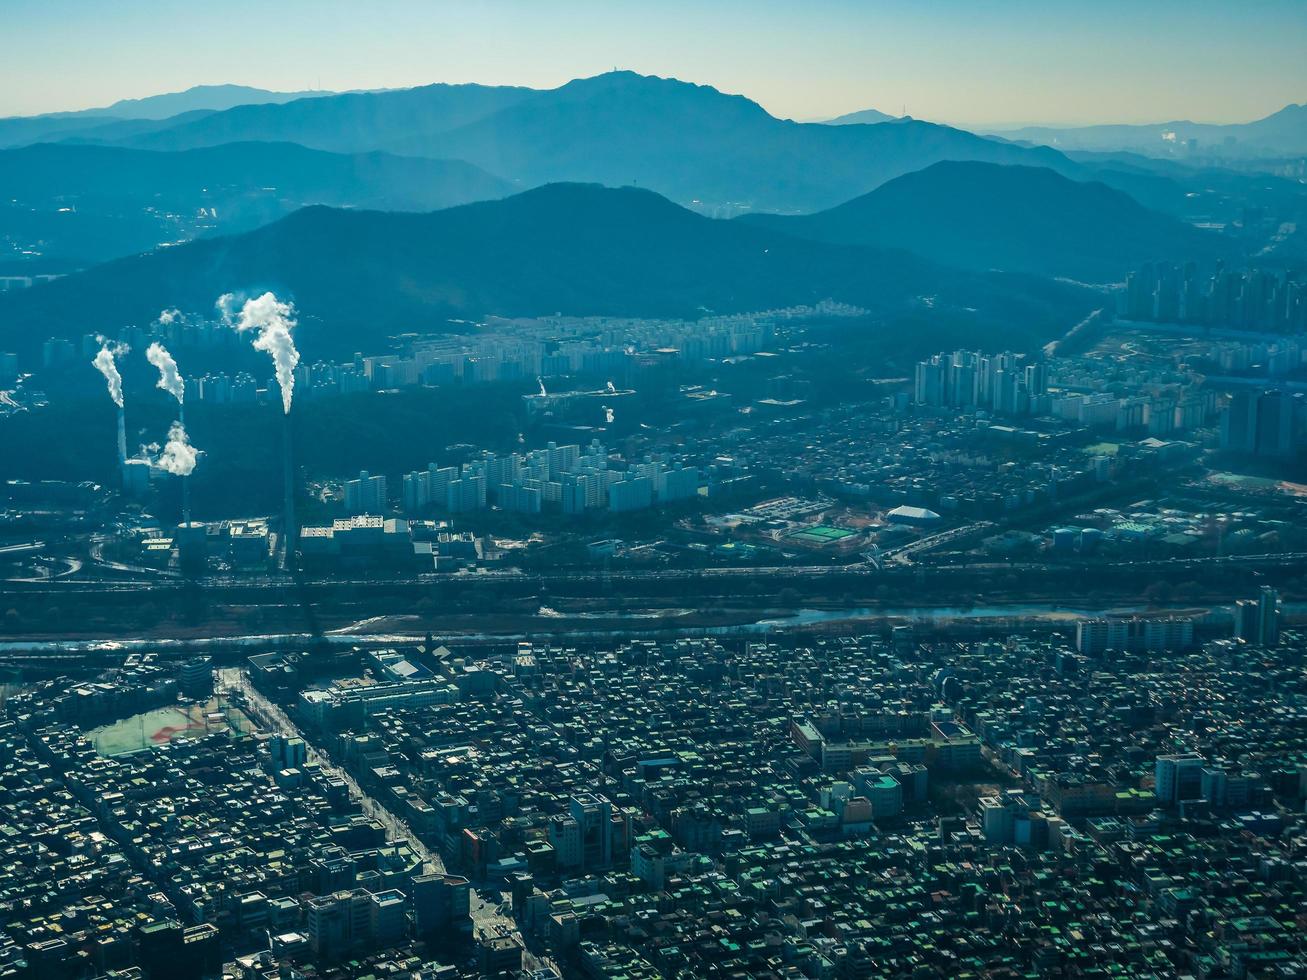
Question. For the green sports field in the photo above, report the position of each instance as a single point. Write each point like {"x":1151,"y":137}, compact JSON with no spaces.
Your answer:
{"x":820,"y":534}
{"x":165,"y":724}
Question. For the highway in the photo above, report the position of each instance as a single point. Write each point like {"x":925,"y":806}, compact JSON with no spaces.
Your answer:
{"x":902,"y":555}
{"x":25,"y":548}
{"x":782,"y":572}
{"x":97,"y":555}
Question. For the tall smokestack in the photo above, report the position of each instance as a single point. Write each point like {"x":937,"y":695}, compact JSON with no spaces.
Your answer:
{"x":288,"y":511}
{"x":186,"y":478}
{"x":106,"y":362}
{"x":122,"y":437}
{"x":179,"y":457}
{"x":272,"y":322}
{"x":170,"y":380}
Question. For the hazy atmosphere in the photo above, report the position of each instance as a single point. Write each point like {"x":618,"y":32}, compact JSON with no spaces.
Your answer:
{"x":653,"y":491}
{"x":1014,"y":61}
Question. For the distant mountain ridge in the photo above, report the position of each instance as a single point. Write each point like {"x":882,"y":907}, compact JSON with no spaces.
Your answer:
{"x":347,"y":123}
{"x":215,"y":98}
{"x":93,"y":203}
{"x":689,"y":142}
{"x":721,"y":154}
{"x":862,"y":117}
{"x":1022,"y":219}
{"x":360,"y":276}
{"x":1282,"y":133}
{"x":20,"y":130}
{"x":373,"y":180}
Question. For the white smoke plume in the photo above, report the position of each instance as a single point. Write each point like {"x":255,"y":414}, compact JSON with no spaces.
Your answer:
{"x":226,"y":306}
{"x":178,"y":456}
{"x":169,"y":380}
{"x":106,"y":363}
{"x":274,"y":321}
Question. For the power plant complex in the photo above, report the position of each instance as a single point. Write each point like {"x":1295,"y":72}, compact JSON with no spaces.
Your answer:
{"x":271,"y":322}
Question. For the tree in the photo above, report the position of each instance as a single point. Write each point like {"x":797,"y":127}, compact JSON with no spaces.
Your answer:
{"x":1158,"y":593}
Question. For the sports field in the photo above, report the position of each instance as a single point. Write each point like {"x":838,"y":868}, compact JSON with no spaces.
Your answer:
{"x":163,"y":725}
{"x":1103,"y":449}
{"x":820,"y":534}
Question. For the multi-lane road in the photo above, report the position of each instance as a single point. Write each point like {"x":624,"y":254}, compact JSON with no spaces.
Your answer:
{"x":860,"y":569}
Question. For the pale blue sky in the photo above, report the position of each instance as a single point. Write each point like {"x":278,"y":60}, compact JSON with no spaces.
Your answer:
{"x":966,"y":61}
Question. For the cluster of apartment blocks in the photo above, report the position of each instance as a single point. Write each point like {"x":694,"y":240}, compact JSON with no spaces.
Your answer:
{"x":1256,"y":623}
{"x":602,"y":348}
{"x":1081,"y":391}
{"x":1278,"y":357}
{"x":570,"y":478}
{"x":1127,"y":392}
{"x":545,"y":347}
{"x":1163,"y":413}
{"x":769,"y":790}
{"x":505,"y":350}
{"x":1005,"y":384}
{"x":1263,"y":423}
{"x":510,"y":350}
{"x":1252,"y":299}
{"x":500,"y":351}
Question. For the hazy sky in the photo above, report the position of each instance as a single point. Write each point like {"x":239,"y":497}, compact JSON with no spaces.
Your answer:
{"x":965,"y":61}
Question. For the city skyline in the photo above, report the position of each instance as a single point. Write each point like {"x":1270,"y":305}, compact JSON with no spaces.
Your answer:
{"x":949,"y":63}
{"x":488,"y":495}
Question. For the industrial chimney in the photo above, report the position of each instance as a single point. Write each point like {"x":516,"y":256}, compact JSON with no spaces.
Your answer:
{"x":289,"y":530}
{"x":122,"y":437}
{"x":186,"y":478}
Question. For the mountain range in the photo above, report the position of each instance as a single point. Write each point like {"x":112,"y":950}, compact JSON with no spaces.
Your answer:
{"x":689,"y":142}
{"x":1020,"y":219}
{"x":359,"y":277}
{"x":94,"y":203}
{"x":1282,"y":133}
{"x":862,"y":116}
{"x":722,"y":154}
{"x":212,"y":97}
{"x":199,"y":99}
{"x":306,"y":196}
